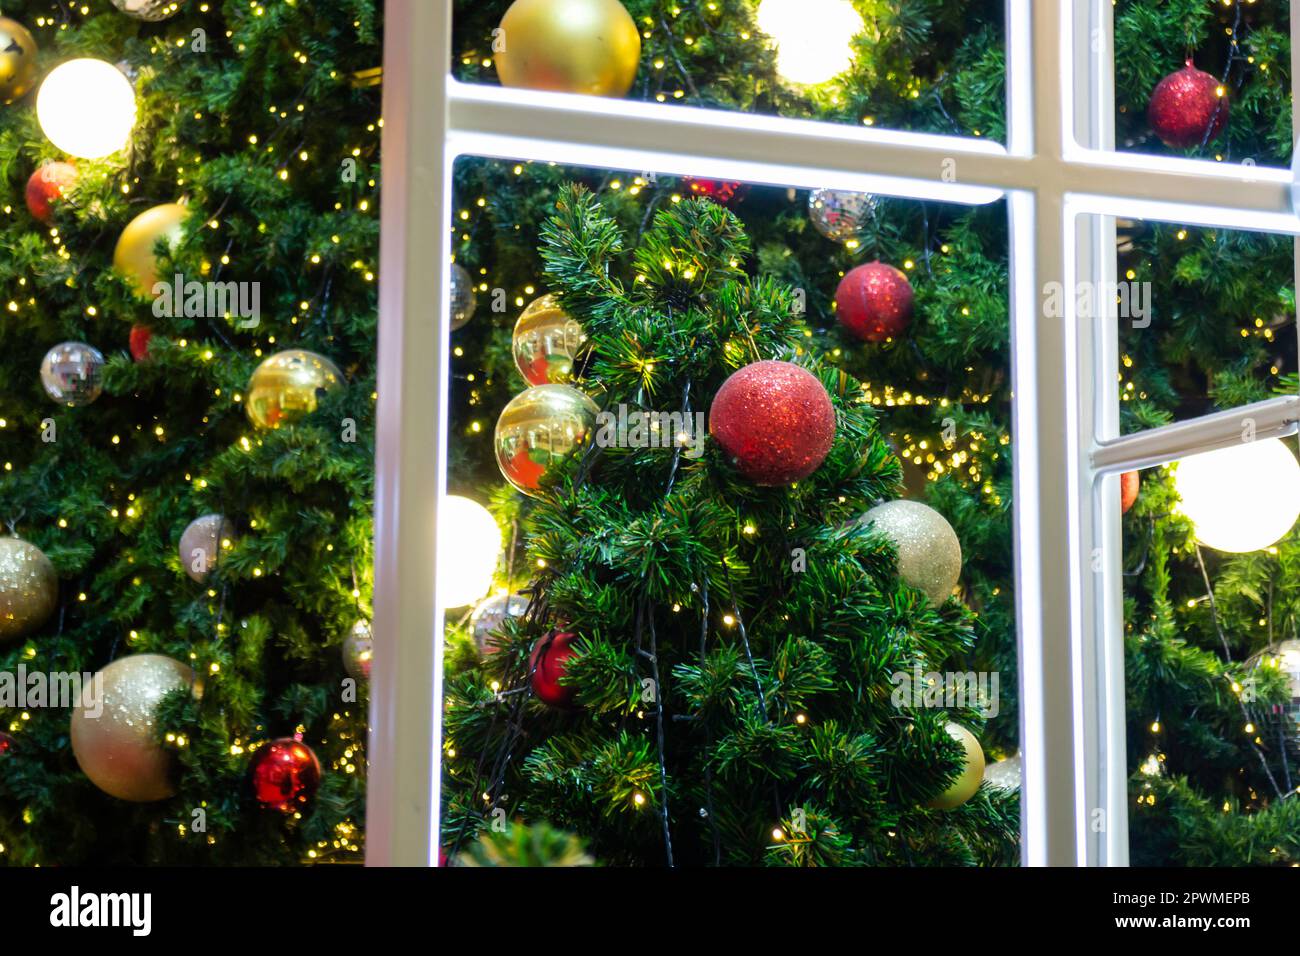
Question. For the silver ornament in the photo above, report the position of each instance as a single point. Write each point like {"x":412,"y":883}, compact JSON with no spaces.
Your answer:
{"x":29,"y":588}
{"x":72,"y":373}
{"x":149,"y":10}
{"x":929,"y":554}
{"x":491,"y":614}
{"x":838,"y":213}
{"x":1005,"y":774}
{"x":202,"y":544}
{"x":464,"y":300}
{"x":358,"y":651}
{"x":1285,"y":655}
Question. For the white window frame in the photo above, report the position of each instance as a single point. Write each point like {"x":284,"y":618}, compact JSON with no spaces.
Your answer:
{"x":1064,"y":185}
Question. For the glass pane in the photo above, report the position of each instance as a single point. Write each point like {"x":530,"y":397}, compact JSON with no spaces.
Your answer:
{"x":937,"y":68}
{"x":1210,"y":80}
{"x":693,"y":637}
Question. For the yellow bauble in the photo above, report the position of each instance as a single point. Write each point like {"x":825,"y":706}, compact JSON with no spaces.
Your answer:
{"x":29,"y":588}
{"x":17,"y":60}
{"x":546,"y":341}
{"x":964,"y":787}
{"x":134,"y":256}
{"x":569,"y":46}
{"x":288,"y":385}
{"x":114,"y":725}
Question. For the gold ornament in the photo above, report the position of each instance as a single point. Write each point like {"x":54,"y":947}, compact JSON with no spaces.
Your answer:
{"x":202,"y":544}
{"x":134,"y":256}
{"x":964,"y":787}
{"x":929,"y":554}
{"x":546,"y":341}
{"x":538,"y":428}
{"x":569,"y":46}
{"x":17,"y":60}
{"x":288,"y":385}
{"x":113,"y":726}
{"x":29,"y":588}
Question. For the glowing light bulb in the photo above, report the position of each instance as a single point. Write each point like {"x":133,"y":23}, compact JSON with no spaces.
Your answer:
{"x":86,"y":108}
{"x":469,"y":544}
{"x":814,"y":38}
{"x":1240,"y":498}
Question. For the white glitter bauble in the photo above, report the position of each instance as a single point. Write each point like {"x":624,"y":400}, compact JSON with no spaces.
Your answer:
{"x":71,"y":373}
{"x":463,"y":298}
{"x":837,"y":213}
{"x":1005,"y":774}
{"x":929,"y":554}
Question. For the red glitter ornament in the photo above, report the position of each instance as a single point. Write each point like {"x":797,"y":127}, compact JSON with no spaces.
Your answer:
{"x":139,"y":342}
{"x":774,"y":421}
{"x":47,"y":185}
{"x":547,"y":664}
{"x":1129,"y":482}
{"x":1188,"y":108}
{"x":720,"y":191}
{"x":874,"y":302}
{"x":286,"y":775}
{"x":6,"y":742}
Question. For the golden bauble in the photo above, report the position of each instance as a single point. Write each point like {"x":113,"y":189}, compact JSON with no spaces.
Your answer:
{"x":569,"y":46}
{"x":203,"y":543}
{"x":17,"y":60}
{"x":929,"y":554}
{"x":964,"y":787}
{"x":538,"y":428}
{"x":546,"y":341}
{"x":114,"y":723}
{"x":134,"y":256}
{"x":29,"y":588}
{"x":288,"y":385}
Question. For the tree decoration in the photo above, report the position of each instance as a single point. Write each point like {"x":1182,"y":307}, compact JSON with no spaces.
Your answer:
{"x":547,"y":663}
{"x":86,"y":108}
{"x":724,"y":192}
{"x":464,"y":300}
{"x":285,"y":775}
{"x":114,"y":729}
{"x":134,"y":254}
{"x":139,"y":340}
{"x":874,"y":302}
{"x":1188,"y":108}
{"x":149,"y":10}
{"x":469,"y":547}
{"x":1263,"y":501}
{"x":813,"y":38}
{"x":72,"y":373}
{"x":929,"y":554}
{"x":838,"y":213}
{"x":1285,"y":656}
{"x":17,"y":60}
{"x":1004,"y":774}
{"x":1129,"y":484}
{"x":569,"y":46}
{"x":539,"y":428}
{"x":29,"y":588}
{"x":546,"y":341}
{"x":288,"y":386}
{"x":774,"y":421}
{"x":968,"y":781}
{"x":6,"y":743}
{"x":491,"y":614}
{"x":47,"y":186}
{"x":202,"y":544}
{"x":359,"y":651}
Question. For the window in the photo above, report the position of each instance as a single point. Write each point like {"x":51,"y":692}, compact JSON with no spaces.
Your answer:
{"x":1065,"y":186}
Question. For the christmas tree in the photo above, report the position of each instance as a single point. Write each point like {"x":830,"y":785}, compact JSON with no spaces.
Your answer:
{"x":230,"y":730}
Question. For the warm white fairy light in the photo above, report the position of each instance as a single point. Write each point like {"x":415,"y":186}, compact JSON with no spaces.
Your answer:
{"x":86,"y":108}
{"x":813,"y":37}
{"x":1240,"y":498}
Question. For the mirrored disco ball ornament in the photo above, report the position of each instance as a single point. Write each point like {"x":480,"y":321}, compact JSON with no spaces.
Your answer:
{"x":491,"y":614}
{"x":71,"y":373}
{"x":837,"y":213}
{"x":538,"y":429}
{"x":546,"y":341}
{"x":288,"y":386}
{"x":149,"y":9}
{"x":464,"y":300}
{"x":1285,"y":655}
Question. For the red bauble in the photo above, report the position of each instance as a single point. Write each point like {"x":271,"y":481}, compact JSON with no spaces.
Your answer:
{"x":140,"y":336}
{"x":48,"y":184}
{"x":774,"y":421}
{"x":719,"y":190}
{"x":1129,"y":482}
{"x":6,"y":742}
{"x":1186,"y":106}
{"x":286,"y":775}
{"x":546,"y":665}
{"x":874,"y":302}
